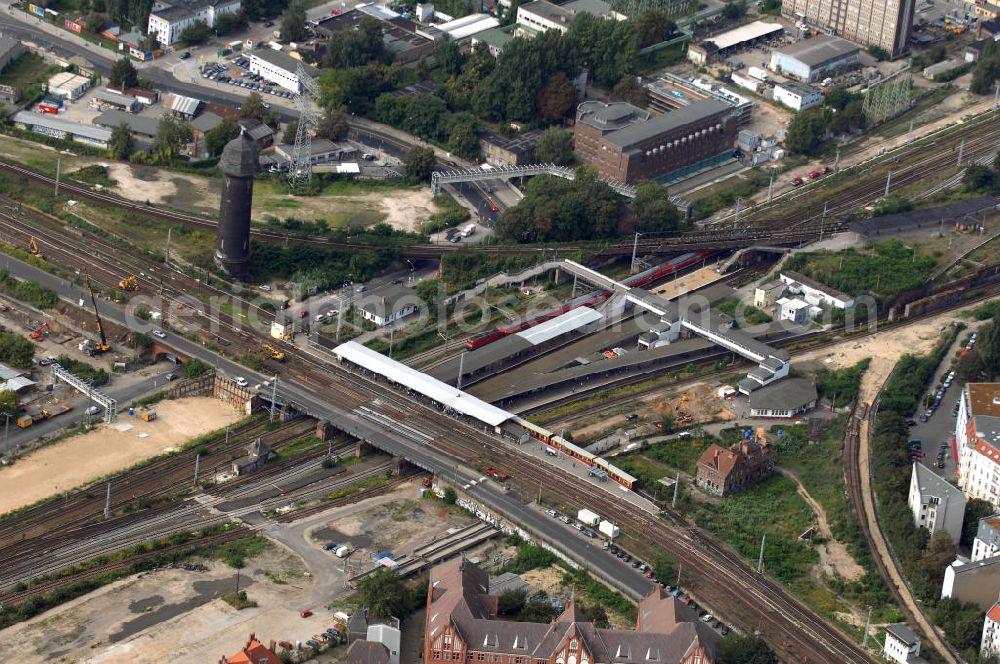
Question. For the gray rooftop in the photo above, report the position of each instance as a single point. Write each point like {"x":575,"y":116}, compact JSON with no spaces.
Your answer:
{"x":661,"y":124}
{"x":177,"y":9}
{"x":989,"y":530}
{"x":903,"y":633}
{"x":54,"y":122}
{"x":206,"y":122}
{"x":806,"y":281}
{"x":389,"y":300}
{"x":787,"y":394}
{"x":520,"y":144}
{"x":284,"y":61}
{"x":7,"y":44}
{"x":115,"y":97}
{"x":239,"y":157}
{"x":595,"y":7}
{"x":819,"y":50}
{"x":932,"y":485}
{"x":801,"y":89}
{"x":610,"y":117}
{"x":139,"y":124}
{"x":495,"y":37}
{"x":548,"y":11}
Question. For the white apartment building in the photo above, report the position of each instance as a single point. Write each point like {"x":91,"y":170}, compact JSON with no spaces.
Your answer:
{"x":977,"y":437}
{"x":991,"y":632}
{"x":814,"y":292}
{"x":169,"y":18}
{"x":935,"y":503}
{"x":280,"y":68}
{"x":987,"y":541}
{"x":798,"y":96}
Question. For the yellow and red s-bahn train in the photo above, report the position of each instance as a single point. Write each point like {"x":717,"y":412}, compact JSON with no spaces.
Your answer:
{"x":561,"y":445}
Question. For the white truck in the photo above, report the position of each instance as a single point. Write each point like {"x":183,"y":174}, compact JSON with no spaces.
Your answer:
{"x":468,"y":230}
{"x":588,"y":518}
{"x":342,"y":552}
{"x":758,"y":73}
{"x":609,"y":529}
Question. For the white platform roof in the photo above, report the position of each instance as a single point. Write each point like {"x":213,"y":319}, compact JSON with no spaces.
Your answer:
{"x":431,"y":388}
{"x":567,"y":322}
{"x":744,"y":33}
{"x":467,"y":26}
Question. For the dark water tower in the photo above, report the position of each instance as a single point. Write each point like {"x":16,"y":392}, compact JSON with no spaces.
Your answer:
{"x":239,"y":164}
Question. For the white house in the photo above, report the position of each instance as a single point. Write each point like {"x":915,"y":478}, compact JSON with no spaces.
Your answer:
{"x":901,"y":644}
{"x":991,"y":632}
{"x":935,"y":503}
{"x":169,"y":18}
{"x":987,"y":541}
{"x":798,"y":96}
{"x":972,"y":582}
{"x":281,"y":68}
{"x":786,"y":398}
{"x":542,"y":15}
{"x":767,"y":294}
{"x":814,"y":292}
{"x":795,"y":310}
{"x":977,"y":437}
{"x":388,"y":636}
{"x":394,"y":303}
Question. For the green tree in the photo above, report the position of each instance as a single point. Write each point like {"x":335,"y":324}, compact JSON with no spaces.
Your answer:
{"x":291,"y":129}
{"x":610,"y":49}
{"x":596,"y":614}
{"x":229,"y":22}
{"x":217,"y":137}
{"x":8,"y":404}
{"x":357,"y":47}
{"x":630,"y":90}
{"x":333,"y":125}
{"x":419,"y":164}
{"x":123,"y":74}
{"x":555,"y":146}
{"x":463,"y":135}
{"x":979,"y":178}
{"x":16,"y":351}
{"x":253,"y":107}
{"x":172,"y":134}
{"x":293,"y":23}
{"x":556,"y":97}
{"x":975,"y":510}
{"x":878,"y":52}
{"x":450,"y":496}
{"x":988,"y":346}
{"x":736,"y":649}
{"x":195,"y":367}
{"x":511,"y":602}
{"x":448,"y":56}
{"x":196,"y":33}
{"x":653,"y":210}
{"x":665,"y":568}
{"x":734,"y":10}
{"x":654,"y":26}
{"x":382,"y":593}
{"x":806,"y":132}
{"x":121,"y":144}
{"x":142,"y":340}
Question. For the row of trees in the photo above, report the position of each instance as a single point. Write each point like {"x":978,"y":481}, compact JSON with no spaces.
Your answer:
{"x":841,"y":113}
{"x":427,"y":116}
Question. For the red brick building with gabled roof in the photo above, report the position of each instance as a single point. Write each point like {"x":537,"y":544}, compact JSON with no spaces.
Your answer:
{"x":254,"y":652}
{"x":461,"y":626}
{"x":727,"y":471}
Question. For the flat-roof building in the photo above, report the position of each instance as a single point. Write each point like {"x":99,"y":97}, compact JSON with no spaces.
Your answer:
{"x":884,"y":24}
{"x":798,"y":96}
{"x":52,"y":125}
{"x":629,"y":145}
{"x":494,"y":38}
{"x":784,"y":399}
{"x":140,"y":125}
{"x":281,"y":68}
{"x":66,"y":85}
{"x":814,"y":59}
{"x":514,"y":151}
{"x":111,"y":100}
{"x":724,"y":44}
{"x":542,"y":15}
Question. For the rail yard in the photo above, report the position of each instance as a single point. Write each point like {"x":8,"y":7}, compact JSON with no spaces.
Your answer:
{"x":330,"y":423}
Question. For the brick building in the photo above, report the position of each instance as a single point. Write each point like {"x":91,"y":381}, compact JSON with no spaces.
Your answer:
{"x":254,"y":652}
{"x":727,"y":471}
{"x":628,"y":144}
{"x":461,"y":626}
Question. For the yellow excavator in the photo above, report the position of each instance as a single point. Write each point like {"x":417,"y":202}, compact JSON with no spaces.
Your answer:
{"x":129,"y":283}
{"x":33,"y":248}
{"x":274,"y":352}
{"x":103,"y":346}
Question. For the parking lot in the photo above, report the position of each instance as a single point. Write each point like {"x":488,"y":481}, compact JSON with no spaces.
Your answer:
{"x":934,"y":425}
{"x":236,"y":72}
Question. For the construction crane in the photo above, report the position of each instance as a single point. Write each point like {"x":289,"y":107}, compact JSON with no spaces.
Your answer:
{"x":103,"y":346}
{"x":129,"y":283}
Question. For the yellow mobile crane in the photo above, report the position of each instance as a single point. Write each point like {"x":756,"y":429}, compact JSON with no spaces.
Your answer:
{"x":103,"y":346}
{"x":274,"y":352}
{"x":129,"y":283}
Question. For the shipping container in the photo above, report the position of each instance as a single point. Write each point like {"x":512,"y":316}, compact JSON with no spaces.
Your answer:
{"x":52,"y":101}
{"x":758,"y":73}
{"x":388,"y":562}
{"x":46,"y":108}
{"x":587,"y":517}
{"x":609,"y":529}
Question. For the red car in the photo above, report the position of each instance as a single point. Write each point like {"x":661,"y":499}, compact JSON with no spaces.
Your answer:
{"x":287,"y":645}
{"x":813,"y":175}
{"x":303,"y":313}
{"x":493,"y":207}
{"x":797,"y":182}
{"x":305,"y":614}
{"x":826,"y":170}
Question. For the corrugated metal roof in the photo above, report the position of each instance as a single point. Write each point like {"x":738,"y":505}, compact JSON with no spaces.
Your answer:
{"x":182,"y":104}
{"x":6,"y":373}
{"x":58,"y":124}
{"x":431,"y":388}
{"x":17,"y":384}
{"x":567,"y":322}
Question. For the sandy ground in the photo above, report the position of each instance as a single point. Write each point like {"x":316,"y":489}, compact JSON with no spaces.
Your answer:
{"x":689,"y":282}
{"x":82,"y":459}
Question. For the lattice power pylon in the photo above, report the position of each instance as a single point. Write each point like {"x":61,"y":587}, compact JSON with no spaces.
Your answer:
{"x":888,"y":97}
{"x":300,"y":170}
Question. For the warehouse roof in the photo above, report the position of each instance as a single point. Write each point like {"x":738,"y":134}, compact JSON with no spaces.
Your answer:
{"x":113,"y":97}
{"x":431,"y":388}
{"x":59,"y":124}
{"x":139,"y":124}
{"x":661,"y":124}
{"x":467,"y":26}
{"x":788,"y":394}
{"x":567,"y":322}
{"x":181,"y":104}
{"x":206,"y":122}
{"x":744,"y":33}
{"x":495,"y":37}
{"x":284,"y":61}
{"x":819,"y":50}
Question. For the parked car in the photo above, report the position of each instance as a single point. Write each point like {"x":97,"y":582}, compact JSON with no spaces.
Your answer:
{"x":185,"y":55}
{"x":93,"y":410}
{"x":159,"y":333}
{"x":287,"y":645}
{"x":797,"y":182}
{"x":588,"y":533}
{"x":552,"y":513}
{"x":312,"y":643}
{"x":814,"y":174}
{"x":241,"y":381}
{"x":305,"y":614}
{"x":171,"y":376}
{"x":630,"y":417}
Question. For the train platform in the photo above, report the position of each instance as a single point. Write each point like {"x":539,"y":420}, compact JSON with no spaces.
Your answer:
{"x":688,"y":283}
{"x":578,"y":469}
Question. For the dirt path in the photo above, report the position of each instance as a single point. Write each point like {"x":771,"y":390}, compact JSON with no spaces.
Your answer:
{"x":834,"y":559}
{"x":107,"y":449}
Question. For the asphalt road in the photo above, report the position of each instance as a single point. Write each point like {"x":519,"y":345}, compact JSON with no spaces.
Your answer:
{"x":516,"y":508}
